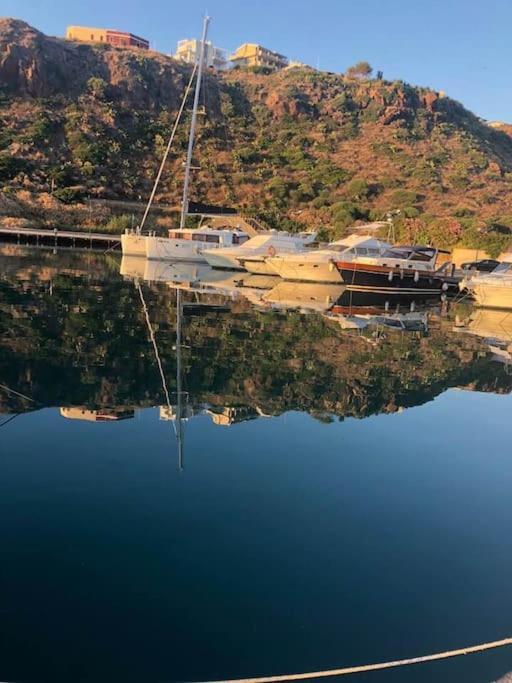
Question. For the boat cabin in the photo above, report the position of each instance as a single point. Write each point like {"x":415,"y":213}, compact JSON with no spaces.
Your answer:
{"x":225,"y":238}
{"x":405,"y":257}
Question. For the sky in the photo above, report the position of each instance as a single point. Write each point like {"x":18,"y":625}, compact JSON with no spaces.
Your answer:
{"x":463,"y":47}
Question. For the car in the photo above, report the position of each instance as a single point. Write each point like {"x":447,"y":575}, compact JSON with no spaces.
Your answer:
{"x":484,"y":266}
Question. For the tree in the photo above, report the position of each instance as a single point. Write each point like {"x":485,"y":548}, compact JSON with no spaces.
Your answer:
{"x":360,"y":70}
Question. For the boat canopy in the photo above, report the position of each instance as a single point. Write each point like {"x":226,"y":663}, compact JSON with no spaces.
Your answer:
{"x":409,"y":253}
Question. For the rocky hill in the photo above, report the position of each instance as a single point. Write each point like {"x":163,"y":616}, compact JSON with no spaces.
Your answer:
{"x":297,"y":147}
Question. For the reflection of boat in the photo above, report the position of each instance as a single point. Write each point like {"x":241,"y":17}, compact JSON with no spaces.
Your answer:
{"x":132,"y":267}
{"x":493,"y":289}
{"x":398,"y":270}
{"x":358,"y":310}
{"x":251,"y":255}
{"x":413,"y":321}
{"x":495,"y":328}
{"x":317,"y":266}
{"x":303,"y":296}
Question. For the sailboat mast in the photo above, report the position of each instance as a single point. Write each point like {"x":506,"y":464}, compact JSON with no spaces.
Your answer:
{"x":184,"y":204}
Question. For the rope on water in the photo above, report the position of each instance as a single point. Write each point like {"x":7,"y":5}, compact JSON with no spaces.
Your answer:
{"x":372,"y":667}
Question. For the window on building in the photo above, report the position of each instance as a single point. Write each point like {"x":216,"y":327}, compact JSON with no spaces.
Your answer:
{"x":92,"y":36}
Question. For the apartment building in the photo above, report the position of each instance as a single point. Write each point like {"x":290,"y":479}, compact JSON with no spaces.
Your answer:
{"x":215,"y":57}
{"x":86,"y":34}
{"x":252,"y":54}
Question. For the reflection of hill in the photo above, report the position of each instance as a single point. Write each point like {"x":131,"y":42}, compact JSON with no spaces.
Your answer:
{"x":78,"y":338}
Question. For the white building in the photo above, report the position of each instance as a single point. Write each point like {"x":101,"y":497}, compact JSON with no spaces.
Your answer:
{"x":188,"y":51}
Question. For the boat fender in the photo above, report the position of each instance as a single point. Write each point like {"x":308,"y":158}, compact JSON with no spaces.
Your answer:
{"x":445,"y":286}
{"x":331,"y":266}
{"x":271,"y":251}
{"x":401,"y":274}
{"x":416,"y":276}
{"x":390,"y":276}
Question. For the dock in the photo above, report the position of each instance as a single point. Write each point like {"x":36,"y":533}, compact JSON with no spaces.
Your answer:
{"x":68,"y":239}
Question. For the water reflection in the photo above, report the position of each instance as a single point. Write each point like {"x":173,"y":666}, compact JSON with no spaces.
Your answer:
{"x":75,"y":334}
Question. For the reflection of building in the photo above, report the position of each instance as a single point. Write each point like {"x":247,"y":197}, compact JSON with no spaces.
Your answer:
{"x":102,"y":415}
{"x":85,"y":34}
{"x":251,"y":54}
{"x":220,"y":415}
{"x":166,"y":413}
{"x":228,"y":415}
{"x":188,"y":51}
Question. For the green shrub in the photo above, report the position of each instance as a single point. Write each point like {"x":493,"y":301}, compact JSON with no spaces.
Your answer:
{"x":11,"y":166}
{"x":68,"y":195}
{"x":118,"y":224}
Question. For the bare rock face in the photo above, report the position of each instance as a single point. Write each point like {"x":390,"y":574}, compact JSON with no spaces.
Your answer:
{"x":38,"y":66}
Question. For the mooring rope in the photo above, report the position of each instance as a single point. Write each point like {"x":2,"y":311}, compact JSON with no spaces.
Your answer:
{"x":168,"y":148}
{"x":371,"y":667}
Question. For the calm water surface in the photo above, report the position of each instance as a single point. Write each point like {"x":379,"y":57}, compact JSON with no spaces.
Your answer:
{"x":342,"y":495}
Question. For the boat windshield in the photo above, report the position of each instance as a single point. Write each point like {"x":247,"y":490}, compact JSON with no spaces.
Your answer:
{"x":410,"y":253}
{"x":503,"y":268}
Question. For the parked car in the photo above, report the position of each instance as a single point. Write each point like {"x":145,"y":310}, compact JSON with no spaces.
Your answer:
{"x":485,"y":266}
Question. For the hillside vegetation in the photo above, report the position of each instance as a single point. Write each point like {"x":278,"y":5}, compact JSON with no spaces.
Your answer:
{"x":299,"y":147}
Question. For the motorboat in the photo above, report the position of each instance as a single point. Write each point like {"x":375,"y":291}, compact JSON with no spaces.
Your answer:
{"x":251,"y":255}
{"x":190,"y":244}
{"x":398,"y":270}
{"x":492,"y":290}
{"x":317,"y":266}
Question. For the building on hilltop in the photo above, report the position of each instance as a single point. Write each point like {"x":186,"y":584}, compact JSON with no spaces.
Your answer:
{"x":85,"y":34}
{"x":251,"y":54}
{"x":188,"y":51}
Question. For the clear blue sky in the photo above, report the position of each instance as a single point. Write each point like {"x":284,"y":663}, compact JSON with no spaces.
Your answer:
{"x":461,"y":46}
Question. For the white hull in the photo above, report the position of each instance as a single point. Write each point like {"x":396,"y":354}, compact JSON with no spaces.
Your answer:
{"x":304,"y":271}
{"x":259,"y":267}
{"x":166,"y":249}
{"x":133,"y":244}
{"x":222,"y":261}
{"x":493,"y":296}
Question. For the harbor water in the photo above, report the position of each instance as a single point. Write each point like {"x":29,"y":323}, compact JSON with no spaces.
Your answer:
{"x":303,"y":481}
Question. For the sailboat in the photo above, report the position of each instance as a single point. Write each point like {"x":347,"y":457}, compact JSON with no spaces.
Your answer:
{"x":184,"y":243}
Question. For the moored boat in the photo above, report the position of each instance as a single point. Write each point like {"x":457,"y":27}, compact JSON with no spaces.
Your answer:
{"x":317,"y":265}
{"x":190,"y":244}
{"x":252,"y":254}
{"x":492,"y":290}
{"x":398,"y":270}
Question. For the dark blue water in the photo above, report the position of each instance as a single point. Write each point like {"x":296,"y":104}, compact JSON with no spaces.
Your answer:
{"x":286,"y":543}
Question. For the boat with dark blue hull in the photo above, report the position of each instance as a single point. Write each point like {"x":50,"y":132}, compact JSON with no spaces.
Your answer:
{"x":399,"y":270}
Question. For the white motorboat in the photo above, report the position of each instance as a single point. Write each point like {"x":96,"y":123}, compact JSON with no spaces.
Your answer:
{"x":492,"y":290}
{"x":253,"y":253}
{"x":317,"y":266}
